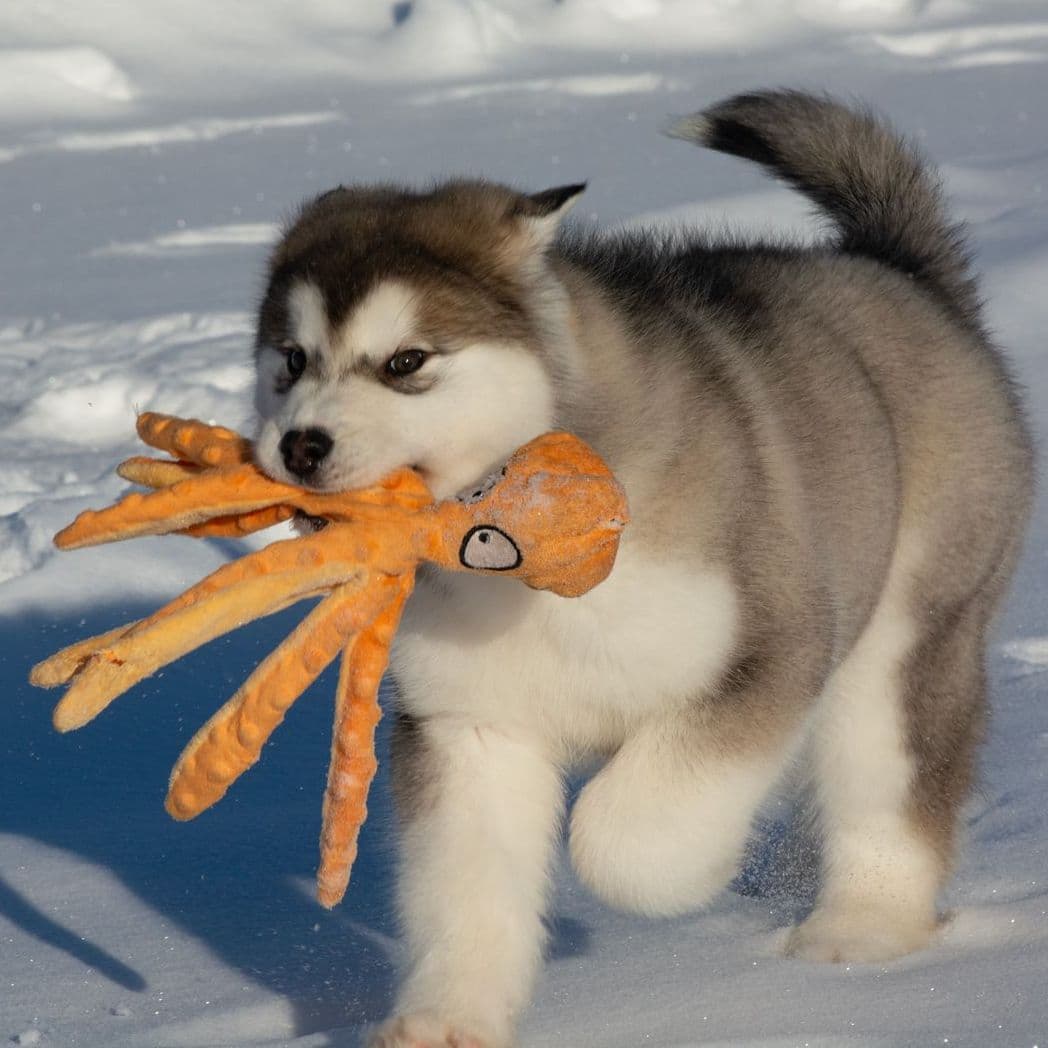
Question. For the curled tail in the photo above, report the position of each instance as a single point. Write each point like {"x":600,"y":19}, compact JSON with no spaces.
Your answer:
{"x":883,"y":199}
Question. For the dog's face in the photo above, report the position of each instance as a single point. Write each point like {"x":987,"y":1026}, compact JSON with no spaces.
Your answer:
{"x":408,"y":329}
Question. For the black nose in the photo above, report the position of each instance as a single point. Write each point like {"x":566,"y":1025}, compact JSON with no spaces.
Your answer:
{"x":304,"y":450}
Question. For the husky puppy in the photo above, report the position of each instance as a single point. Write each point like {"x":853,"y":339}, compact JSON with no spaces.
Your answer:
{"x":829,"y":477}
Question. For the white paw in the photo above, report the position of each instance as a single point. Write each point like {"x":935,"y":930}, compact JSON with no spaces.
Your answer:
{"x":859,"y":936}
{"x":424,"y":1030}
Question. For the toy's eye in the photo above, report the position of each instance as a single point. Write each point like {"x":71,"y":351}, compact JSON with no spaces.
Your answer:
{"x":296,"y":362}
{"x":406,"y":362}
{"x":487,"y":547}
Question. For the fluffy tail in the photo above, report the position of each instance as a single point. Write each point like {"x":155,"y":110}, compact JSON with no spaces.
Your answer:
{"x":882,"y":198}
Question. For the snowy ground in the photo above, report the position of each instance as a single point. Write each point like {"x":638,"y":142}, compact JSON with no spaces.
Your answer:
{"x":146,"y":153}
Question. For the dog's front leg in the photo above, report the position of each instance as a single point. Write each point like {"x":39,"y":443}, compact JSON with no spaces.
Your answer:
{"x":479,"y":813}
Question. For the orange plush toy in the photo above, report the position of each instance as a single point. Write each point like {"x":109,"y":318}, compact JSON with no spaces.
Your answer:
{"x":551,"y":517}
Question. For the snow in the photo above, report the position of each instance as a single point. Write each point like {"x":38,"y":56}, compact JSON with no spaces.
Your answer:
{"x":147,"y":154}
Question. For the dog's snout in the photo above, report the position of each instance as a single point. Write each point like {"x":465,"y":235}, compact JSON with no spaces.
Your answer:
{"x":304,"y":449}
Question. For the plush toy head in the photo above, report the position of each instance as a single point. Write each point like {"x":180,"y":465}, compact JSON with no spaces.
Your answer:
{"x":552,"y":517}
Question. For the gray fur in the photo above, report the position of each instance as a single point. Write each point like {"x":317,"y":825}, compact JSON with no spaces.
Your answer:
{"x":873,"y":185}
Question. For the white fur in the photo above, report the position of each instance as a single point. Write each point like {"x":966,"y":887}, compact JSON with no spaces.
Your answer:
{"x":454,"y":432}
{"x":385,"y":321}
{"x":308,"y":317}
{"x":880,"y":877}
{"x":423,"y":1030}
{"x":309,"y":326}
{"x":575,"y":673}
{"x":473,"y":884}
{"x":661,"y":829}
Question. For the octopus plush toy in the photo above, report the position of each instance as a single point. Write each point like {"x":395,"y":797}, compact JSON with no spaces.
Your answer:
{"x":552,"y":517}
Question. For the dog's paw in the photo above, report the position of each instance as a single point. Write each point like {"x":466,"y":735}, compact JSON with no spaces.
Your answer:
{"x":867,"y":936}
{"x":424,"y":1030}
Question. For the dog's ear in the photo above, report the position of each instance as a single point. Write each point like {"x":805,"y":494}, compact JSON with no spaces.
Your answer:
{"x":540,"y":214}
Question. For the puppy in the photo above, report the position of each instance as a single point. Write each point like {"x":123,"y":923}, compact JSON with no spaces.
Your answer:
{"x":829,"y":477}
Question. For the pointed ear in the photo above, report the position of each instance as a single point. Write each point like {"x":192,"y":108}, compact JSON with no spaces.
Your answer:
{"x":540,"y":214}
{"x":556,"y":201}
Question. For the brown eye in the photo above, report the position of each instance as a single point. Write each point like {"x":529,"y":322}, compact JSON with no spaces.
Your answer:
{"x":405,"y":362}
{"x":296,"y":362}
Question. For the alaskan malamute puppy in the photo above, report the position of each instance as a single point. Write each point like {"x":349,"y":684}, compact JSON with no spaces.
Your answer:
{"x":828,"y":475}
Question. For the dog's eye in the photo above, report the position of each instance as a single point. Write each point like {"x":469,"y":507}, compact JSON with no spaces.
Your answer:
{"x":296,"y":362}
{"x":405,"y":362}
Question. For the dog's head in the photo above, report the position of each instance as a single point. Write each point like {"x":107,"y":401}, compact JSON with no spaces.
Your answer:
{"x":409,"y":329}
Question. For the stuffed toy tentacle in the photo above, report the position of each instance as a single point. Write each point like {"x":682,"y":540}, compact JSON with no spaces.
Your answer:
{"x":259,"y":584}
{"x":230,"y":491}
{"x":241,"y":524}
{"x":353,"y":763}
{"x":232,"y":740}
{"x":161,"y":473}
{"x":223,"y":491}
{"x":192,"y":440}
{"x":398,"y":501}
{"x":156,"y":473}
{"x":280,"y":556}
{"x":162,"y":638}
{"x":396,"y":507}
{"x":61,"y":667}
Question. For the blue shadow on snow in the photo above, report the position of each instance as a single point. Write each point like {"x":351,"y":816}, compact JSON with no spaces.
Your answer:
{"x":238,"y":878}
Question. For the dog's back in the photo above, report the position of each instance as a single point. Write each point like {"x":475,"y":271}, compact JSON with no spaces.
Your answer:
{"x":861,"y":364}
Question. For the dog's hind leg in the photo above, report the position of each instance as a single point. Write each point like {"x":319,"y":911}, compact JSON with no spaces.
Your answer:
{"x":894,"y":747}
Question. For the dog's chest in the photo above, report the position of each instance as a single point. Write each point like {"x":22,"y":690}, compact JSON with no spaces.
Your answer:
{"x":578,"y":669}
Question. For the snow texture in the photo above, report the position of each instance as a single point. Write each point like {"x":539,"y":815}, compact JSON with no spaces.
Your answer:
{"x":148,"y":152}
